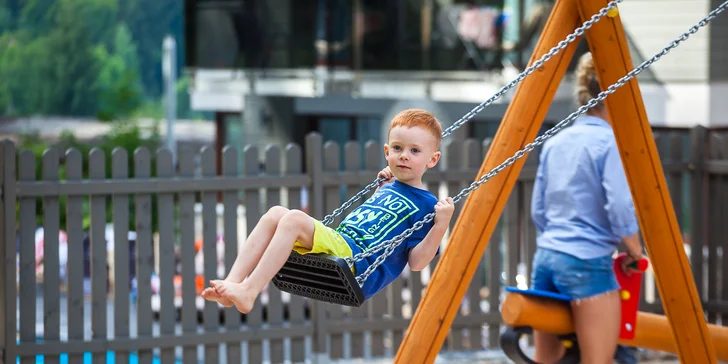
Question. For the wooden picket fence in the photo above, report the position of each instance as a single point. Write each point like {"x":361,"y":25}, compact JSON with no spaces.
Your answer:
{"x":88,"y":313}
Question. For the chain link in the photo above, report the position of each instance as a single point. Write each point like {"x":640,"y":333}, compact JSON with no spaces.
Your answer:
{"x":475,"y":111}
{"x":391,"y":244}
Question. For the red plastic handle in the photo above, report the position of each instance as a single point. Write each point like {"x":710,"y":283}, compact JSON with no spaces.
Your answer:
{"x":641,"y":265}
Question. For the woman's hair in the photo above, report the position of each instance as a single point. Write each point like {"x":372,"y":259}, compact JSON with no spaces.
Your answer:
{"x":587,"y":83}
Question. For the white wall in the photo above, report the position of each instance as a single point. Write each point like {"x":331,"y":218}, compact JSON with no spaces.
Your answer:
{"x":688,"y":96}
{"x":654,"y":24}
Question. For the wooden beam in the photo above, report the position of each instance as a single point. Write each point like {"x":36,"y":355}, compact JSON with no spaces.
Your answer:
{"x":652,"y":331}
{"x":431,"y":322}
{"x":658,"y":223}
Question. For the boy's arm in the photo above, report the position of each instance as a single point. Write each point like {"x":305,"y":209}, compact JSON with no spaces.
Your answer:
{"x":421,"y":255}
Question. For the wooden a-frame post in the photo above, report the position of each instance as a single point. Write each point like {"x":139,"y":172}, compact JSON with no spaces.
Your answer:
{"x":658,"y":224}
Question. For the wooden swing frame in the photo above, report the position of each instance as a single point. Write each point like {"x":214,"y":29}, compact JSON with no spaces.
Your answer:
{"x":659,"y":228}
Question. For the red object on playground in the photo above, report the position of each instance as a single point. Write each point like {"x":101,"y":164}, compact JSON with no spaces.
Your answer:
{"x":629,"y":294}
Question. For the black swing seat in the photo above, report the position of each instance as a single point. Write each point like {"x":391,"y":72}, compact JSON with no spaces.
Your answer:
{"x":320,"y":277}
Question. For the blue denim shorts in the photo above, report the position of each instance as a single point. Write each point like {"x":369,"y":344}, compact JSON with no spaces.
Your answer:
{"x":554,"y":271}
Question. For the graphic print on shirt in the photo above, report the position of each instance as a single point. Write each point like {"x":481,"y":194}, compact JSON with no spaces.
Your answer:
{"x":370,"y":223}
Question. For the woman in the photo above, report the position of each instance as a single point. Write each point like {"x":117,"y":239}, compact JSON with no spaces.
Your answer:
{"x":582,"y":208}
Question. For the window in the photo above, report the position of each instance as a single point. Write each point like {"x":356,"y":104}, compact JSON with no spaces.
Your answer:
{"x":249,"y":33}
{"x":371,"y":34}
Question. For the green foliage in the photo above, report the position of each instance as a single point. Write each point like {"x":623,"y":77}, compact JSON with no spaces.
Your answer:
{"x":37,"y":15}
{"x":79,"y":26}
{"x":24,"y":69}
{"x":118,"y":85}
{"x":99,"y":58}
{"x":6,"y":19}
{"x":49,"y":65}
{"x":150,"y":22}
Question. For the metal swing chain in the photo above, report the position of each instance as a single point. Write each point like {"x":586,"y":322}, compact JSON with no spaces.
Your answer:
{"x":390,"y":245}
{"x":465,"y":118}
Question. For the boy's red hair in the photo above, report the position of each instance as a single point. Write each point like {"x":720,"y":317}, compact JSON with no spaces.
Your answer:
{"x":417,"y":117}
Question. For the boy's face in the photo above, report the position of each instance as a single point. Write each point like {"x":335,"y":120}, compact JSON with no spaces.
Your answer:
{"x":410,"y":152}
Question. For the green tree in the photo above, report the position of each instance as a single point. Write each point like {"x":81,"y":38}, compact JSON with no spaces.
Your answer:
{"x":7,"y":18}
{"x":48,"y":66}
{"x":150,"y":22}
{"x":24,"y":74}
{"x":69,"y":57}
{"x":35,"y":16}
{"x":79,"y":26}
{"x":118,"y":85}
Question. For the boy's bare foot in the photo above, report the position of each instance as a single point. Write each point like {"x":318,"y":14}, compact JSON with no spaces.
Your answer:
{"x":236,"y":293}
{"x":211,"y":294}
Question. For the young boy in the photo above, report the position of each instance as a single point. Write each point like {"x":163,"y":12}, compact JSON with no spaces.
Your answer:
{"x":412,"y":148}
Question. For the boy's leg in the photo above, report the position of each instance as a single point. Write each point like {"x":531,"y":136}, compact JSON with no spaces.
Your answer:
{"x":250,"y":254}
{"x":294,"y":226}
{"x":256,"y":244}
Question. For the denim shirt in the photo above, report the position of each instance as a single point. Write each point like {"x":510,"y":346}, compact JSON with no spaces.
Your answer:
{"x":581,"y":203}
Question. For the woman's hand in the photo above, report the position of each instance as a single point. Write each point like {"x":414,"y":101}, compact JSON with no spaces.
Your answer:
{"x":629,"y":263}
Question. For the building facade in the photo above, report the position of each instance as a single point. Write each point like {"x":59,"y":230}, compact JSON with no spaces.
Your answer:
{"x":274,"y":70}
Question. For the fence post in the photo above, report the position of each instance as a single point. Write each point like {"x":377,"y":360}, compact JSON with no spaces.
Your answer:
{"x":315,"y":171}
{"x":698,"y":203}
{"x":7,"y":252}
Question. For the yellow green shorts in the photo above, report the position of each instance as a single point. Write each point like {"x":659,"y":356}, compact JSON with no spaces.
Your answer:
{"x":327,"y":241}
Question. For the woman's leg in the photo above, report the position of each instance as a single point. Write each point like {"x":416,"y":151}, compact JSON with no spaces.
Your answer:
{"x":596,"y":321}
{"x":595,"y":306}
{"x":548,"y":346}
{"x":250,"y":253}
{"x":293,"y":226}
